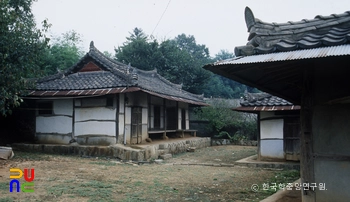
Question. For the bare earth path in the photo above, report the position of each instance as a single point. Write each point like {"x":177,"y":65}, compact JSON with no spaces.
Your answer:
{"x":69,"y":178}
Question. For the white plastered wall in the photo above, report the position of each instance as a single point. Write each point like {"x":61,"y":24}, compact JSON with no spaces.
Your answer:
{"x":95,"y":121}
{"x":56,"y":127}
{"x":271,"y":136}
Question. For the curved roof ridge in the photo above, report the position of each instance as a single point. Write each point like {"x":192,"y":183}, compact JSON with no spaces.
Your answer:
{"x":117,"y":68}
{"x":109,"y":61}
{"x":62,"y":74}
{"x":154,"y":72}
{"x":302,"y":21}
{"x":111,"y":65}
{"x":272,"y":37}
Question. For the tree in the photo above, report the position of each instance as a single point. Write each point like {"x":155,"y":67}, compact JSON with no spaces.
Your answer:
{"x":63,"y":53}
{"x":220,"y":86}
{"x":137,"y":34}
{"x":189,"y":44}
{"x":108,"y":54}
{"x":223,"y":55}
{"x":220,"y":117}
{"x":193,"y":76}
{"x":179,"y":60}
{"x":226,"y":123}
{"x":21,"y":45}
{"x":139,"y":51}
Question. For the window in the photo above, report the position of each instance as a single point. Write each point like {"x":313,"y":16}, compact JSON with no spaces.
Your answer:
{"x":45,"y":108}
{"x":109,"y":102}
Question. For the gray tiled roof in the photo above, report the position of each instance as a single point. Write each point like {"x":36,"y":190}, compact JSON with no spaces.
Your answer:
{"x":278,"y":37}
{"x":263,"y":99}
{"x":82,"y":81}
{"x":114,"y":74}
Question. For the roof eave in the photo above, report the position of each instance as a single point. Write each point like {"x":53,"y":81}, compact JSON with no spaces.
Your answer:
{"x":257,"y":109}
{"x":246,"y":81}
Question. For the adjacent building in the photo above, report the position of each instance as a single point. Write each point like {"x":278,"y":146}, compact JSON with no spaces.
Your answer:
{"x":278,"y":126}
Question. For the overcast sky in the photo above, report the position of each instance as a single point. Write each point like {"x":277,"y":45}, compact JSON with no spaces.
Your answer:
{"x":218,"y":24}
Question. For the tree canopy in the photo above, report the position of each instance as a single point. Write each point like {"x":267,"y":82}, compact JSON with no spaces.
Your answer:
{"x":21,"y":45}
{"x":64,"y":52}
{"x":179,"y":60}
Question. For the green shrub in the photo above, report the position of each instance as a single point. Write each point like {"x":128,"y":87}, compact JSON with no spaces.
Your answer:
{"x":225,"y":123}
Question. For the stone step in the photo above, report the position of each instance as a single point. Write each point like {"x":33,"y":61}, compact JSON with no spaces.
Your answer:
{"x":166,"y":156}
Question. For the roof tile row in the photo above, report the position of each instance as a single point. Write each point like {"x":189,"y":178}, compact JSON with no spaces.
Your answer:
{"x":263,"y":99}
{"x":276,"y":37}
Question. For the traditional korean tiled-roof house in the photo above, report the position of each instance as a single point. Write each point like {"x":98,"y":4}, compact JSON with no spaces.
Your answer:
{"x":100,"y":101}
{"x":306,"y":63}
{"x":278,"y":124}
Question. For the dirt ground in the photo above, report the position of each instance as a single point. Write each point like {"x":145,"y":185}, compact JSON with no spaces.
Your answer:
{"x":72,"y":178}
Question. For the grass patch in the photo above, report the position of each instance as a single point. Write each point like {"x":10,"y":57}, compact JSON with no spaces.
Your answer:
{"x":135,"y":196}
{"x":96,"y":184}
{"x":52,"y":179}
{"x":210,"y":154}
{"x":4,"y":186}
{"x":94,"y":190}
{"x":69,"y":181}
{"x":31,"y":156}
{"x":6,"y":199}
{"x":138,"y":183}
{"x":279,"y":181}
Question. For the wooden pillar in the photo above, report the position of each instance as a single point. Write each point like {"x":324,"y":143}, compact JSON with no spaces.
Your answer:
{"x":73,"y":120}
{"x":165,"y":119}
{"x":259,"y":135}
{"x":306,"y":153}
{"x":116,"y":98}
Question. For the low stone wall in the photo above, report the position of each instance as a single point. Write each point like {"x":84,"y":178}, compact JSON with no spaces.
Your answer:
{"x":135,"y":153}
{"x":217,"y":142}
{"x":154,"y":151}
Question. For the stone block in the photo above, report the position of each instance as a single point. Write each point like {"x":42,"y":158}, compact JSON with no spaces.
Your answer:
{"x":163,"y":146}
{"x":165,"y":156}
{"x":191,"y":149}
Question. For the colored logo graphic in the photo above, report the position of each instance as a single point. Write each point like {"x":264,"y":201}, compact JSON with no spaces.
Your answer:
{"x":15,"y":174}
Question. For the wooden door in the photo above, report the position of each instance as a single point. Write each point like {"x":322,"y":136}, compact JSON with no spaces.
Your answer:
{"x":291,"y":130}
{"x":172,"y":118}
{"x":183,"y":119}
{"x":136,"y":125}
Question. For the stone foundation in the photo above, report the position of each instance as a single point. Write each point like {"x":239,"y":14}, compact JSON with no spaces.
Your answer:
{"x":134,"y":153}
{"x":217,"y":142}
{"x":154,"y":151}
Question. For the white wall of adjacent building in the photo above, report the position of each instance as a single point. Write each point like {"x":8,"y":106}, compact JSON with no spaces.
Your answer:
{"x":271,"y":136}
